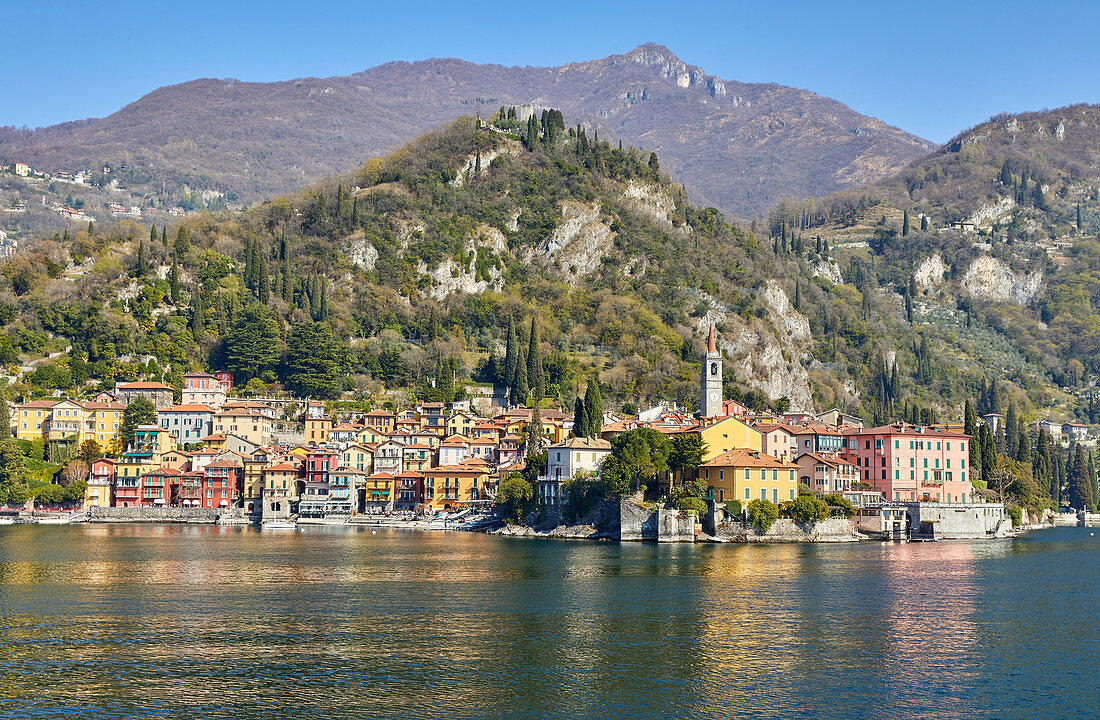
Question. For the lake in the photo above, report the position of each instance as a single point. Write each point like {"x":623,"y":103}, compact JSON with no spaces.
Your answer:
{"x":162,"y":621}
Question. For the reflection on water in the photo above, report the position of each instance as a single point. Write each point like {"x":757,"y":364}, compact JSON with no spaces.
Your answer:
{"x":190,"y":622}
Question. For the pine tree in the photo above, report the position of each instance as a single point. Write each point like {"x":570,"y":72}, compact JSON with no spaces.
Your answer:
{"x":580,"y":418}
{"x":593,"y":407}
{"x":905,"y":223}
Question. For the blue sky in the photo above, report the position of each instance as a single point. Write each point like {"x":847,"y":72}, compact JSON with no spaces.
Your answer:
{"x":932,"y":68}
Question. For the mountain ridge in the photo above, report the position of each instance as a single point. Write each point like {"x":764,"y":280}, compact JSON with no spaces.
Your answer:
{"x":739,"y":146}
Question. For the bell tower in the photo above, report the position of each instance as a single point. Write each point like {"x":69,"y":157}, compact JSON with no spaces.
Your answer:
{"x":710,"y":380}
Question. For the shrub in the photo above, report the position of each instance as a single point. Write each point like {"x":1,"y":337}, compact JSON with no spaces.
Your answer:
{"x":763,"y":514}
{"x":692,"y":504}
{"x":840,"y":502}
{"x":809,"y":509}
{"x":1016,"y":513}
{"x":735,"y":508}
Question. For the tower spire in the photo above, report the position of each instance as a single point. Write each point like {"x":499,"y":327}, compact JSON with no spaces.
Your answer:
{"x":711,"y":347}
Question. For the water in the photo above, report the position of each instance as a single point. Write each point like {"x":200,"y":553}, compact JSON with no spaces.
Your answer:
{"x":206,"y":622}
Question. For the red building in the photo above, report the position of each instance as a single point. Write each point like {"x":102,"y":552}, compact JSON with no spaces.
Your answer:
{"x":319,"y":463}
{"x":156,"y":486}
{"x":912,"y":463}
{"x":410,"y":490}
{"x":222,"y":484}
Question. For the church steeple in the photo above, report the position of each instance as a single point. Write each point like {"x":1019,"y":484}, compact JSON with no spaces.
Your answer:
{"x":710,"y":379}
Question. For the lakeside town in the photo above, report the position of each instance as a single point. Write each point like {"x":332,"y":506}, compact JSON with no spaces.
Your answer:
{"x":280,"y":461}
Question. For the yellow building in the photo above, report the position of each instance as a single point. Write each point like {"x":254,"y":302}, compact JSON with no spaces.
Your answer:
{"x":379,"y":492}
{"x":462,"y":422}
{"x":102,"y":421}
{"x":727,"y":434}
{"x":450,"y":487}
{"x":358,"y":457}
{"x":31,"y":417}
{"x":370,"y":436}
{"x":748,"y":475}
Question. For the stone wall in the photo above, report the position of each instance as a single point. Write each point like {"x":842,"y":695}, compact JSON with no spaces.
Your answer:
{"x":636,"y":522}
{"x":675,"y":526}
{"x":159,"y":515}
{"x":960,"y":521}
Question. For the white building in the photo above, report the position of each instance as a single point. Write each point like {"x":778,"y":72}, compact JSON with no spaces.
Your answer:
{"x":566,"y":459}
{"x":188,"y":422}
{"x":206,"y":389}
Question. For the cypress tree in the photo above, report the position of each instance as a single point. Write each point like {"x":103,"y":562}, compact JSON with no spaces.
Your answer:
{"x":1080,"y":486}
{"x":593,"y":407}
{"x":263,"y":289}
{"x":924,"y":223}
{"x":1093,"y":489}
{"x":174,"y":280}
{"x":1023,"y":447}
{"x":905,"y":223}
{"x":989,"y":456}
{"x":1078,"y":217}
{"x":1006,"y":174}
{"x":288,"y":281}
{"x":520,"y":389}
{"x":534,"y":363}
{"x":164,"y":235}
{"x":142,"y":266}
{"x":183,"y":242}
{"x":5,"y":416}
{"x":198,"y":315}
{"x":152,"y":236}
{"x":510,"y":356}
{"x":580,"y":418}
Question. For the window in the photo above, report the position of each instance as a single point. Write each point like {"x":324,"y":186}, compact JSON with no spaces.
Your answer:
{"x":792,"y":494}
{"x":897,"y":474}
{"x":911,"y":445}
{"x":763,"y":475}
{"x":747,"y":473}
{"x":775,"y":495}
{"x":748,"y":495}
{"x":948,"y":446}
{"x":763,"y":493}
{"x":938,"y":445}
{"x":775,"y":475}
{"x":721,"y":475}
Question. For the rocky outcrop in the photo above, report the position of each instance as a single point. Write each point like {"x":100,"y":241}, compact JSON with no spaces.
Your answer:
{"x":577,"y":245}
{"x":770,"y":354}
{"x":929,"y":273}
{"x":988,"y":278}
{"x":989,"y":213}
{"x":829,"y":270}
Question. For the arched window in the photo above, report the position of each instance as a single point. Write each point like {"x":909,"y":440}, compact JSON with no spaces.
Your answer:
{"x":714,"y":368}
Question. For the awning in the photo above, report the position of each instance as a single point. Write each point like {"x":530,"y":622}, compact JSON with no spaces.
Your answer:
{"x":158,"y":501}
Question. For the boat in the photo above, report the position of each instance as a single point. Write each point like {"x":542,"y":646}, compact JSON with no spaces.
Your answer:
{"x":7,"y":521}
{"x":53,"y":521}
{"x":280,"y":525}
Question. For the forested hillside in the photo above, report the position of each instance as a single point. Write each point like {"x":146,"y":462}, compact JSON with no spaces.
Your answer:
{"x":417,"y":266}
{"x":989,"y":246}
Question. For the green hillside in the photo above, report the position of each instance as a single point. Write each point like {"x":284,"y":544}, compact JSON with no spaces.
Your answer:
{"x":417,"y":264}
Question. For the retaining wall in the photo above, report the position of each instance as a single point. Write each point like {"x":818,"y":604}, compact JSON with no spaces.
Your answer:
{"x":164,"y":515}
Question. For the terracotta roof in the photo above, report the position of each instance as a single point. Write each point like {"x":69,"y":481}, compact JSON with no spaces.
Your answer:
{"x":282,"y":467}
{"x":380,"y":476}
{"x":907,"y":430}
{"x":222,"y":464}
{"x":93,"y":405}
{"x":165,"y":471}
{"x":418,"y":446}
{"x":143,"y":386}
{"x":742,"y":457}
{"x":188,"y":408}
{"x":576,"y":443}
{"x":44,"y":404}
{"x":410,"y":474}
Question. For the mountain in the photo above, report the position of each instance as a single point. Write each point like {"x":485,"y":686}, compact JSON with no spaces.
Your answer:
{"x":738,"y":146}
{"x":989,"y":245}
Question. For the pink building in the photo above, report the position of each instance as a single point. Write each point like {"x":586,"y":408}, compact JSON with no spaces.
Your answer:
{"x":909,"y":463}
